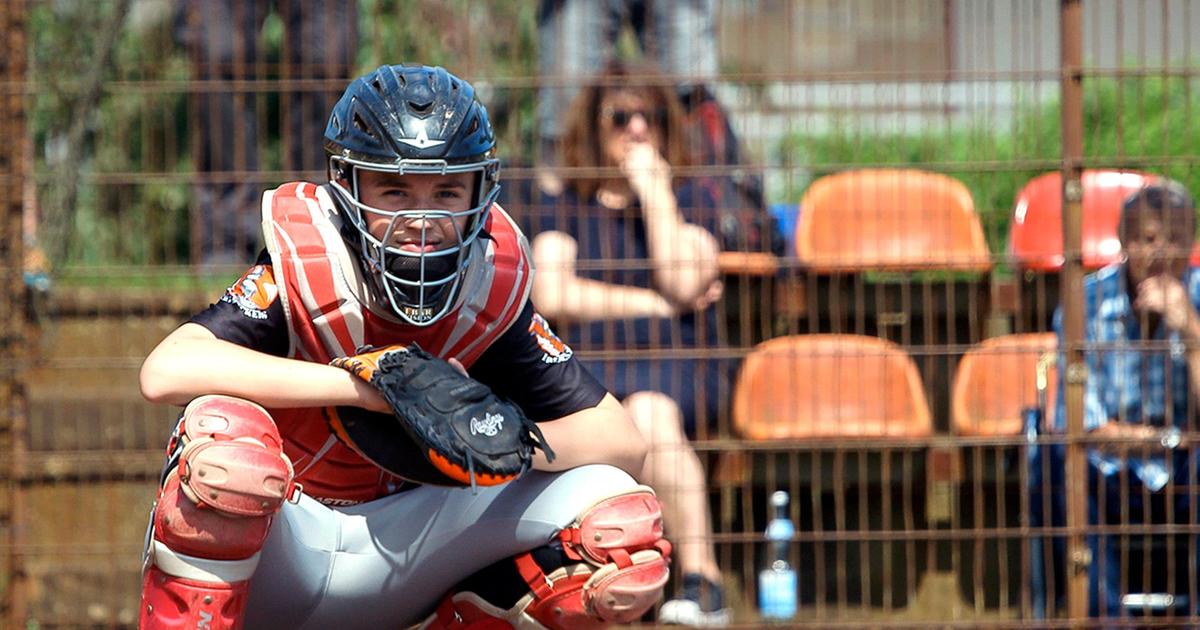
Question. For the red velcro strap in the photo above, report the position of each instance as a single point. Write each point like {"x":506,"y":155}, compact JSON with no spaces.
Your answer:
{"x":620,"y":557}
{"x":533,"y":575}
{"x":570,"y":538}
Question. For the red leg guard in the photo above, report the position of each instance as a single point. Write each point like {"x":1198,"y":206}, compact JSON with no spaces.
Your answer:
{"x":616,"y":527}
{"x":213,"y":514}
{"x":572,"y":597}
{"x":467,"y":611}
{"x":612,"y":569}
{"x":172,"y":602}
{"x":588,"y":598}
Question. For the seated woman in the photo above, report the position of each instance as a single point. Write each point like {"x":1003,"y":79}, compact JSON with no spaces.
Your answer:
{"x":627,"y":266}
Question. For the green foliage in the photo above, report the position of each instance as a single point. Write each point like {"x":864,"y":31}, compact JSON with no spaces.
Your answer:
{"x":112,"y":145}
{"x":492,"y":44}
{"x":91,"y":135}
{"x":1147,"y":123}
{"x":1141,"y":123}
{"x":111,"y":128}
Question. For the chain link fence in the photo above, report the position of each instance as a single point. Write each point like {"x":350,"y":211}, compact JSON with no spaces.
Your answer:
{"x":894,"y":184}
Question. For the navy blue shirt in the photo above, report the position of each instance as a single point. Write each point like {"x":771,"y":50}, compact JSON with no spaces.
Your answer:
{"x":613,"y":249}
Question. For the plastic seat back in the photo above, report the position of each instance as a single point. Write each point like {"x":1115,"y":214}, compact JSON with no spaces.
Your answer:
{"x":1035,"y":232}
{"x":889,"y":219}
{"x":829,"y":386}
{"x":996,"y":380}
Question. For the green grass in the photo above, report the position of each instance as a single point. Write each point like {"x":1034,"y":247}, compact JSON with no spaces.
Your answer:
{"x":138,"y":127}
{"x":137,"y":278}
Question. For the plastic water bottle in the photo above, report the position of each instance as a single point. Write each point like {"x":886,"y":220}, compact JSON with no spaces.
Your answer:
{"x":777,"y":586}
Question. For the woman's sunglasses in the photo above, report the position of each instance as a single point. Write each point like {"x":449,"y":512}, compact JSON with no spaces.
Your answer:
{"x":622,"y":117}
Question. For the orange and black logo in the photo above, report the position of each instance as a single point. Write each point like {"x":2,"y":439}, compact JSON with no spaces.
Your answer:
{"x":254,"y":292}
{"x":553,"y":348}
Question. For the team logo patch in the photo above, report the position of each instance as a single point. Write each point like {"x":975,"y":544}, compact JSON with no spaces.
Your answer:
{"x":254,"y":292}
{"x":553,"y":348}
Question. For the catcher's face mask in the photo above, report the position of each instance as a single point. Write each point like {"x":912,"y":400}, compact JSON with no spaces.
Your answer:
{"x":412,"y":120}
{"x":415,"y":229}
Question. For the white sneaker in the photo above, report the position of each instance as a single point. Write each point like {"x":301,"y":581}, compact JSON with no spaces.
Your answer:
{"x":685,"y":612}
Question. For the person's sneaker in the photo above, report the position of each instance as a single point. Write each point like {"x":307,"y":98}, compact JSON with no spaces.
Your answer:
{"x":702,"y":605}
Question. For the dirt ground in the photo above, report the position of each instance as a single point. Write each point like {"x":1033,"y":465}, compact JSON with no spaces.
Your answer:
{"x":94,"y":448}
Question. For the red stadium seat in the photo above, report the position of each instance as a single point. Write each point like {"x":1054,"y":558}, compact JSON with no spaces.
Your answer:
{"x":889,"y":219}
{"x":995,"y":381}
{"x":829,"y":386}
{"x":1035,"y":233}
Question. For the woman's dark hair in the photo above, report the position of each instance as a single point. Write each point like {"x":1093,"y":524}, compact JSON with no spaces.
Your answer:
{"x":582,"y":149}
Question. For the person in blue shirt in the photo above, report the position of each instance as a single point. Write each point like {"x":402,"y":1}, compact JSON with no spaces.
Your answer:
{"x":1143,"y":358}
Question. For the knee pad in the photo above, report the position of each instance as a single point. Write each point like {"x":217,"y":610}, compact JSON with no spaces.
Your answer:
{"x":231,"y":478}
{"x":609,"y":567}
{"x":232,"y":457}
{"x":186,"y":527}
{"x":226,"y":478}
{"x":624,"y":563}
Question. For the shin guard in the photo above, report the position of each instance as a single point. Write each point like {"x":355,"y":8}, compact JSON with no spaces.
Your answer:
{"x":213,"y":515}
{"x":170,"y":602}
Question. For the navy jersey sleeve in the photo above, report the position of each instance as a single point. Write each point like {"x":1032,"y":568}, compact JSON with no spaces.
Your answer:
{"x":250,"y":313}
{"x":532,"y":367}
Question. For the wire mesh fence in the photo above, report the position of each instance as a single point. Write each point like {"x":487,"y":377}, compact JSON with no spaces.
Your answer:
{"x":880,"y":191}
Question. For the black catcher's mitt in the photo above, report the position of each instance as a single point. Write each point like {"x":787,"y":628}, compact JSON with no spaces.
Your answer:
{"x":448,"y":429}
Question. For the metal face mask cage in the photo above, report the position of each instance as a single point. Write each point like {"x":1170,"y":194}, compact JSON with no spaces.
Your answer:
{"x":424,"y":297}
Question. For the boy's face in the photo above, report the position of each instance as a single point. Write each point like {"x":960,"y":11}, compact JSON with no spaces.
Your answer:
{"x":416,"y":191}
{"x":1157,"y":245}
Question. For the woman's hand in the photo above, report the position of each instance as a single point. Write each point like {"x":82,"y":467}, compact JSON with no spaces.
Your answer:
{"x":711,"y":295}
{"x":646,"y":169}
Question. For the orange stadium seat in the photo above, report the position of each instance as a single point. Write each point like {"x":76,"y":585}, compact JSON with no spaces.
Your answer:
{"x":1035,"y":232}
{"x":995,"y":381}
{"x":889,"y":219}
{"x":829,"y":386}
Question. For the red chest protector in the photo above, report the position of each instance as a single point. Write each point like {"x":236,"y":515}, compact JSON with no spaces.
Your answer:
{"x":331,"y":313}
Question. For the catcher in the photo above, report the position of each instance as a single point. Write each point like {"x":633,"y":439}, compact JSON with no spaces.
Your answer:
{"x":374,"y":434}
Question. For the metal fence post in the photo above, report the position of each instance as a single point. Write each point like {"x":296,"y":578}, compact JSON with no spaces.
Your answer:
{"x":13,"y":324}
{"x":1071,"y":78}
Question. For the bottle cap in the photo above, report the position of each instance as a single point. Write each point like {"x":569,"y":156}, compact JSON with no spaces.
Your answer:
{"x":779,"y":498}
{"x":1170,"y":437}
